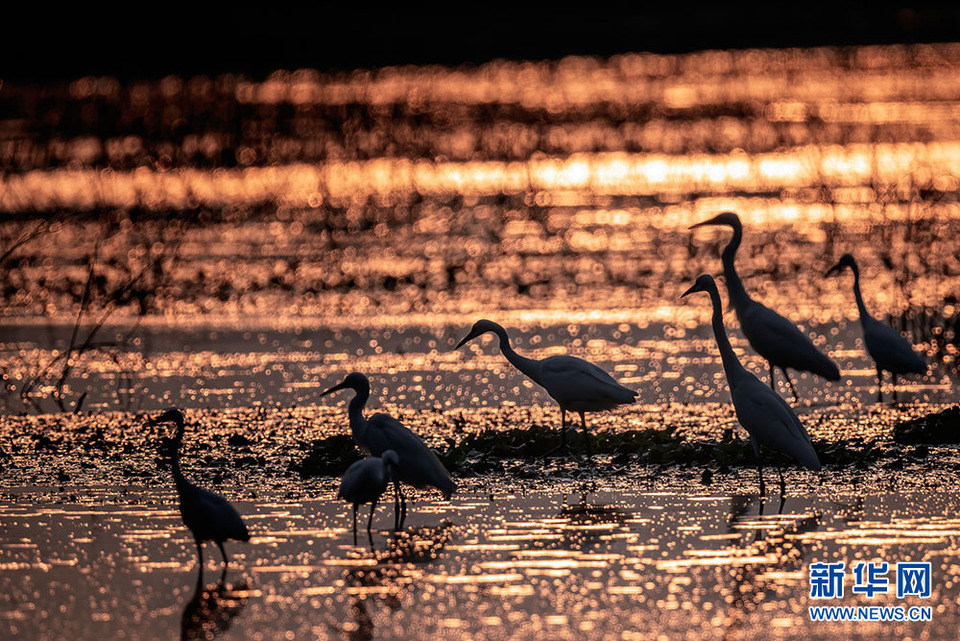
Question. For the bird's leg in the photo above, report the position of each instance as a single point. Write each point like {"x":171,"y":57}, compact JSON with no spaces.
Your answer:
{"x":763,"y":490}
{"x":200,"y":553}
{"x":786,"y":374}
{"x":403,"y":508}
{"x":773,"y":385}
{"x":226,"y":560}
{"x":373,"y":506}
{"x":586,"y":434}
{"x":783,"y":485}
{"x":396,"y":505}
{"x":879,"y":385}
{"x":563,"y":430}
{"x":894,"y":375}
{"x":354,"y":525}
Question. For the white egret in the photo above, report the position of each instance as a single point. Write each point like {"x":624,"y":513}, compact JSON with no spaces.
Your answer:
{"x":418,"y":465}
{"x":887,"y":347}
{"x":575,"y":384}
{"x":761,"y":411}
{"x":208,"y":516}
{"x":771,"y":335}
{"x":365,"y":481}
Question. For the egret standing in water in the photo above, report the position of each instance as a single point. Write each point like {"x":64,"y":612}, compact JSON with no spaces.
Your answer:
{"x":761,"y":411}
{"x":887,"y":347}
{"x":365,"y":482}
{"x":771,"y":335}
{"x":208,"y":516}
{"x":418,"y":465}
{"x":575,"y":384}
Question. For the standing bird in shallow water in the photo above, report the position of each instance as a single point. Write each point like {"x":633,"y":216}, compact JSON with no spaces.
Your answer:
{"x":365,"y":482}
{"x":208,"y":516}
{"x":771,"y":335}
{"x":763,"y":413}
{"x":578,"y":386}
{"x":418,"y":465}
{"x":887,"y":347}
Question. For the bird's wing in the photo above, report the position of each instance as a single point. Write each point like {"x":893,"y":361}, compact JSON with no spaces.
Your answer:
{"x":782,"y":343}
{"x":418,"y":466}
{"x":572,"y":381}
{"x":221,"y":519}
{"x":769,"y":419}
{"x":891,"y":350}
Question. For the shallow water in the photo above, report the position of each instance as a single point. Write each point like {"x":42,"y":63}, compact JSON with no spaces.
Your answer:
{"x":508,"y":561}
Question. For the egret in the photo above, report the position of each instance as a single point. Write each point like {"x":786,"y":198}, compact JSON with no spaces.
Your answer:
{"x":418,"y":465}
{"x":365,"y":482}
{"x":887,"y":347}
{"x":208,"y":516}
{"x":771,"y":335}
{"x":575,"y":384}
{"x":761,"y":411}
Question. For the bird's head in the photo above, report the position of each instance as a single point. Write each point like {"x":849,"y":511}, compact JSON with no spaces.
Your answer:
{"x":727,"y":218}
{"x":169,"y":445}
{"x":390,"y":460}
{"x":704,"y":283}
{"x":355,"y":381}
{"x":172,"y":415}
{"x":479,"y":328}
{"x":846,"y":260}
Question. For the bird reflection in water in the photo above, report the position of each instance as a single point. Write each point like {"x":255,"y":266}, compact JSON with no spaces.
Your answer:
{"x":776,"y":536}
{"x":589,"y":523}
{"x":212,"y":608}
{"x":388,"y":575}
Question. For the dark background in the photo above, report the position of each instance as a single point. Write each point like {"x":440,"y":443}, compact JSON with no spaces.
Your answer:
{"x":150,"y":41}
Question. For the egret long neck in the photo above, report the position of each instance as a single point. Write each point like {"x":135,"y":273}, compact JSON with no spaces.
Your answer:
{"x":738,"y":295}
{"x":528,"y":366}
{"x":731,"y":364}
{"x":864,"y":314}
{"x":358,"y":424}
{"x":178,"y":478}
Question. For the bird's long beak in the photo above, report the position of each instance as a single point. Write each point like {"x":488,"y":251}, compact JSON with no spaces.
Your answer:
{"x":690,"y":291}
{"x":335,"y":388}
{"x":705,"y":223}
{"x":464,"y":340}
{"x":834,"y":269}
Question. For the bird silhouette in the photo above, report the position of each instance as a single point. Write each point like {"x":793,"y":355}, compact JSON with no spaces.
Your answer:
{"x":768,"y":418}
{"x":890,"y":351}
{"x":575,"y":384}
{"x":365,"y":481}
{"x":418,"y":465}
{"x":771,"y":335}
{"x":208,"y":516}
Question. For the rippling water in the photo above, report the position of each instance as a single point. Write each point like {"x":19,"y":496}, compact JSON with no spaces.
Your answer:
{"x":235,"y":245}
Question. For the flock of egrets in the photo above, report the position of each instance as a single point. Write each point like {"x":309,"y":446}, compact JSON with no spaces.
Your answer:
{"x":395,"y":454}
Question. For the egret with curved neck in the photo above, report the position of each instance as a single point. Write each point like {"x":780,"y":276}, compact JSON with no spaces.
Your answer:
{"x":575,"y":384}
{"x":417,"y":465}
{"x":771,"y":335}
{"x":762,"y":412}
{"x":890,"y":351}
{"x":208,"y":516}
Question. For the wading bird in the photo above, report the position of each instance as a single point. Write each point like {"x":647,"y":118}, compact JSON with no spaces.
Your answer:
{"x":365,"y":482}
{"x":208,"y":516}
{"x":418,"y":465}
{"x":771,"y":335}
{"x":575,"y":384}
{"x":761,"y":411}
{"x":887,"y":347}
